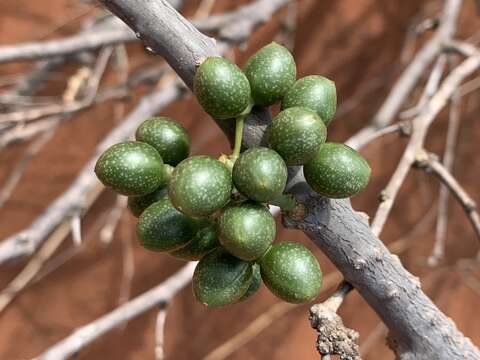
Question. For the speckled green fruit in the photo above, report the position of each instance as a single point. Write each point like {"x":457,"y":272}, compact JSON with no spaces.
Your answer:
{"x":337,"y":171}
{"x":271,"y":72}
{"x":203,"y":242}
{"x":221,"y":279}
{"x":131,"y":168}
{"x":246,"y":230}
{"x":200,"y":185}
{"x":291,"y":272}
{"x":167,"y":136}
{"x":161,"y":227}
{"x":255,"y":284}
{"x":138,"y":204}
{"x":221,"y":88}
{"x":296,"y":134}
{"x":260,"y":174}
{"x":314,"y":92}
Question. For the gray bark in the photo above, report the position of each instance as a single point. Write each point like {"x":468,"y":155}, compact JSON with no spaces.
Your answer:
{"x":418,"y":329}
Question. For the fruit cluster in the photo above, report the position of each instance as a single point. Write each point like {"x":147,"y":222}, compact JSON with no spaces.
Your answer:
{"x":216,"y":210}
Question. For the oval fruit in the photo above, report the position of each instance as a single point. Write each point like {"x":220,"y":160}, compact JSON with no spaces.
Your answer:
{"x":221,"y":88}
{"x":255,"y":284}
{"x":291,"y":272}
{"x":138,"y":204}
{"x":161,"y":227}
{"x":246,"y":230}
{"x":260,"y":174}
{"x":204,"y":241}
{"x":271,"y":72}
{"x":296,"y":134}
{"x":314,"y":92}
{"x":221,"y":279}
{"x":167,"y":136}
{"x":131,"y":168}
{"x":337,"y":171}
{"x":200,"y":185}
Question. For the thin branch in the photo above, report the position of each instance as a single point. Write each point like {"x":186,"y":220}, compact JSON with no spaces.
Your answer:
{"x":438,"y":251}
{"x":430,"y":163}
{"x":128,"y":261}
{"x":36,"y":264}
{"x":113,"y":219}
{"x":430,"y":88}
{"x":410,"y":76}
{"x":421,"y":125}
{"x":30,"y":123}
{"x":85,"y":41}
{"x":162,"y":293}
{"x":17,"y":173}
{"x":160,"y":332}
{"x":72,"y":201}
{"x":230,"y":26}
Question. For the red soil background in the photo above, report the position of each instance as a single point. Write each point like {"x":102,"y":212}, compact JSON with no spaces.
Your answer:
{"x":353,"y":42}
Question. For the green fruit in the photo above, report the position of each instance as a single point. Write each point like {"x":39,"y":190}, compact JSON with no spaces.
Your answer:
{"x":204,"y":241}
{"x":167,"y":136}
{"x":296,"y":134}
{"x":137,"y":204}
{"x":260,"y":174}
{"x":255,"y":284}
{"x":131,"y":168}
{"x":221,"y":279}
{"x":161,"y":227}
{"x":200,"y":185}
{"x":337,"y":171}
{"x":271,"y":72}
{"x":314,"y":92}
{"x":221,"y":88}
{"x":246,"y":230}
{"x":291,"y":272}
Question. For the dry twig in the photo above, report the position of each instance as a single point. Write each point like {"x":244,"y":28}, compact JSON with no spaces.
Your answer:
{"x":161,"y":294}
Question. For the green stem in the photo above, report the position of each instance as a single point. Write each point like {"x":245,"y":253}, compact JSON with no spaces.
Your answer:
{"x":286,"y":202}
{"x":238,"y":136}
{"x":290,"y":206}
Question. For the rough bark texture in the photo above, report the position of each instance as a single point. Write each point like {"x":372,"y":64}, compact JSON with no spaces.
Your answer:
{"x":418,"y":329}
{"x":162,"y":30}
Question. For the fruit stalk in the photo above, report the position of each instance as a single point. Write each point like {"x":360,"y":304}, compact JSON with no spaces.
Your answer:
{"x":239,"y":125}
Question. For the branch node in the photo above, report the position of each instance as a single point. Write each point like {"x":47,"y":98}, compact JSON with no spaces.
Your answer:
{"x":333,"y":337}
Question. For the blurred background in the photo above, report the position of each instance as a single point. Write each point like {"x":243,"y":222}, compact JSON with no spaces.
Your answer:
{"x":363,"y":45}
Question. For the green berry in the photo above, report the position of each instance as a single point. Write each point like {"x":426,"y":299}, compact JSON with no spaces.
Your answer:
{"x":291,"y":272}
{"x":167,"y":136}
{"x":337,"y":171}
{"x":161,"y":227}
{"x":221,"y":279}
{"x":271,"y":72}
{"x":296,"y":134}
{"x":138,"y":204}
{"x":314,"y":92}
{"x":221,"y":88}
{"x":204,"y":241}
{"x":246,"y":230}
{"x":255,"y":284}
{"x":200,"y":185}
{"x":260,"y":174}
{"x":131,"y":168}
